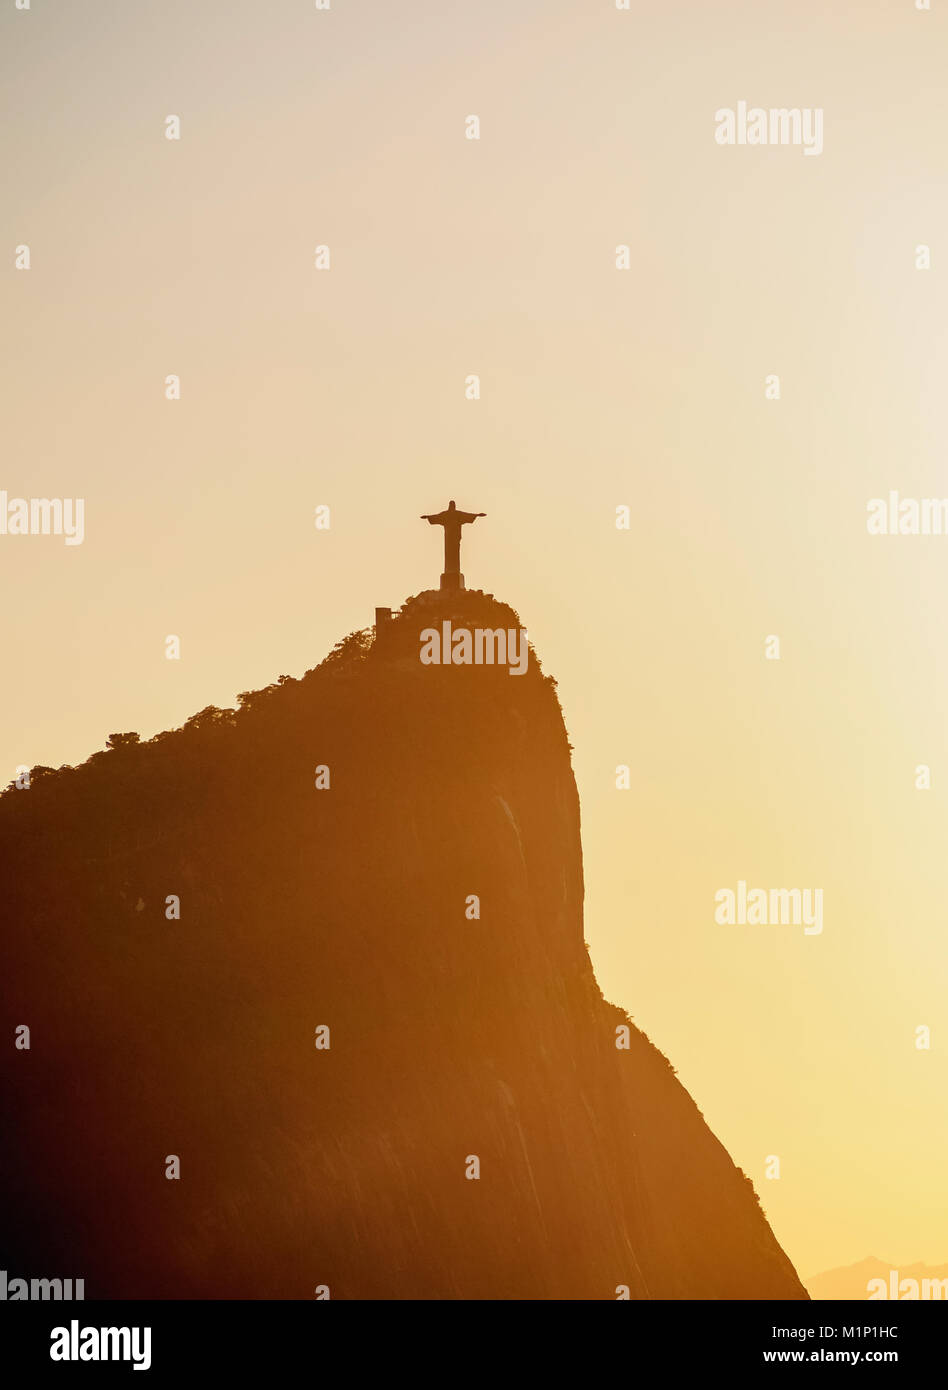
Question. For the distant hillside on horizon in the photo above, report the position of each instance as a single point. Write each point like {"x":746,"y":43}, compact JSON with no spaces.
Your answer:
{"x":852,"y":1281}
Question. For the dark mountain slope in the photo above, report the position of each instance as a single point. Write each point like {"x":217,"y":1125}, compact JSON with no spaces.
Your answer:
{"x":346,"y":907}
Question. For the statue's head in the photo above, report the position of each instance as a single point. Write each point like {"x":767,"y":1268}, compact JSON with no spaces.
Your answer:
{"x":451,"y":506}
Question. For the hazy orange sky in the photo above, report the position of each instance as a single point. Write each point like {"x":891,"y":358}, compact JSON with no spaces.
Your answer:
{"x":599,"y":387}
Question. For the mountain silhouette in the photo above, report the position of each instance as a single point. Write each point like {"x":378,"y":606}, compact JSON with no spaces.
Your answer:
{"x":426,"y":908}
{"x":853,"y":1281}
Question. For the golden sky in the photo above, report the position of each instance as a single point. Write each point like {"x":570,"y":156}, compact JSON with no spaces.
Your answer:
{"x":599,"y":387}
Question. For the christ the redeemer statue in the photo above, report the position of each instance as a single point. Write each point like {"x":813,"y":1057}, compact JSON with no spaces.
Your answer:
{"x":452,"y":520}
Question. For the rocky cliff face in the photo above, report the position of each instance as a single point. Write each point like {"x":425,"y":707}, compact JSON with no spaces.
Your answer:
{"x":453,"y":1036}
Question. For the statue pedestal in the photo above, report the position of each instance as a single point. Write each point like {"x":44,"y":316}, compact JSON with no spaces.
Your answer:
{"x":452,"y":581}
